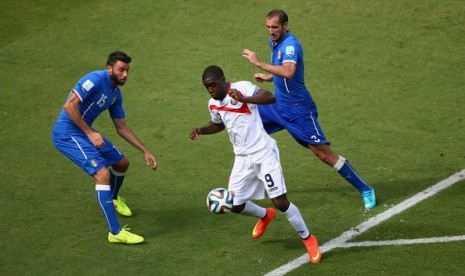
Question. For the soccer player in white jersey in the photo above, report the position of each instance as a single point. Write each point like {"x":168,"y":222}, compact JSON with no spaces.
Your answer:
{"x":256,"y":169}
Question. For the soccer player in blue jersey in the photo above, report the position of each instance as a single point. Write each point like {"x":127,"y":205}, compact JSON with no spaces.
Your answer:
{"x":74,"y":136}
{"x":295,"y":109}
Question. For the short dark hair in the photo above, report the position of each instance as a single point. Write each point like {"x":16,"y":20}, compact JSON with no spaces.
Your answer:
{"x":118,"y":56}
{"x":213,"y":71}
{"x":282,"y":15}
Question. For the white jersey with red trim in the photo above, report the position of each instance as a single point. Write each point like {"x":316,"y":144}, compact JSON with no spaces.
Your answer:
{"x":242,"y":120}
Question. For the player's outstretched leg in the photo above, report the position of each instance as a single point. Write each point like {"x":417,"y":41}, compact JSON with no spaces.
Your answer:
{"x":344,"y":168}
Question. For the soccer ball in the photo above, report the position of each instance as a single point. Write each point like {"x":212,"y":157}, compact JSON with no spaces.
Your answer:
{"x":220,"y":201}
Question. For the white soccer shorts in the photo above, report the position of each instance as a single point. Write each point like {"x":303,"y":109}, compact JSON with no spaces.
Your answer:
{"x":256,"y":173}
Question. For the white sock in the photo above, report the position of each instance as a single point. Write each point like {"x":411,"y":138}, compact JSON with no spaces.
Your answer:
{"x":253,"y":210}
{"x":296,"y":220}
{"x":340,"y":162}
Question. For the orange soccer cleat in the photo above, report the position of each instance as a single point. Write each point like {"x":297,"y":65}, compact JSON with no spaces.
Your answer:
{"x":314,"y":254}
{"x":260,"y":227}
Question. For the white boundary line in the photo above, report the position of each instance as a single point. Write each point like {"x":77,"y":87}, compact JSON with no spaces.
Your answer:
{"x":400,"y":242}
{"x":341,"y":241}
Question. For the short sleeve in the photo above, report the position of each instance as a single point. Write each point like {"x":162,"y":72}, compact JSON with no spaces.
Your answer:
{"x":290,"y":53}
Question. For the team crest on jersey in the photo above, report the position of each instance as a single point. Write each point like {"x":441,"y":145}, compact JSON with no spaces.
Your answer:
{"x":87,"y":85}
{"x":93,"y":162}
{"x":289,"y":50}
{"x":233,"y":101}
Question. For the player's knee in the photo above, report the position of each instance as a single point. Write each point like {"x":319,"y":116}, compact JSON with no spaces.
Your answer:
{"x":325,"y":155}
{"x":122,"y":165}
{"x":330,"y":159}
{"x":326,"y":158}
{"x":102,"y":176}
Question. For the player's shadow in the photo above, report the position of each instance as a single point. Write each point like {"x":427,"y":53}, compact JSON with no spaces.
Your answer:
{"x":188,"y":221}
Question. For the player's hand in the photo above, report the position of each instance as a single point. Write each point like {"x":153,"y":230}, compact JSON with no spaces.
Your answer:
{"x":251,"y":56}
{"x":150,"y":159}
{"x":236,"y":95}
{"x":260,"y":77}
{"x":96,"y":139}
{"x":194,"y":134}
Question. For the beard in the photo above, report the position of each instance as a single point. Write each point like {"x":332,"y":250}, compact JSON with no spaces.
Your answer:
{"x":117,"y":81}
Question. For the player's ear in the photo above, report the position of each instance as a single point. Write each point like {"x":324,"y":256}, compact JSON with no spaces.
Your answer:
{"x":109,"y":69}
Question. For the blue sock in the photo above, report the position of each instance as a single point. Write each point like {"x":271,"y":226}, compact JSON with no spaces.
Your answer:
{"x":344,"y":168}
{"x":116,"y":181}
{"x":106,"y":204}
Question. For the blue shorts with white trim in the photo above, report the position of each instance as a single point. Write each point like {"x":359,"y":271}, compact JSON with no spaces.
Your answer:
{"x":80,"y":150}
{"x":299,"y":121}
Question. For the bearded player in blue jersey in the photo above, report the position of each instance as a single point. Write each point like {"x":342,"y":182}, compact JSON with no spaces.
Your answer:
{"x":74,"y":136}
{"x":295,"y":109}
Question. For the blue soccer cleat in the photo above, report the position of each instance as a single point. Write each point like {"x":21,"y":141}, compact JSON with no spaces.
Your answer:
{"x":369,"y":199}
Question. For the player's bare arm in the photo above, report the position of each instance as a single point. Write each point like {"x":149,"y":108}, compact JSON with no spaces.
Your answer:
{"x":210,"y":128}
{"x":127,"y":134}
{"x":262,"y":96}
{"x":260,"y":77}
{"x":285,"y":70}
{"x":71,"y":107}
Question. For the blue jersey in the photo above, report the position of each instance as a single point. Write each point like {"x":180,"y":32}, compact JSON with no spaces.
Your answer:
{"x":290,"y":92}
{"x":97,"y":94}
{"x":294,"y":108}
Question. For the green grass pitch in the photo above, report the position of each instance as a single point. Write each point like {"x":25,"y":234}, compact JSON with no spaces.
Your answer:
{"x":387,"y":76}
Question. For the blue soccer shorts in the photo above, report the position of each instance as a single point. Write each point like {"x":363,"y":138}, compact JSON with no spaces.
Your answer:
{"x":299,"y":121}
{"x":80,"y":150}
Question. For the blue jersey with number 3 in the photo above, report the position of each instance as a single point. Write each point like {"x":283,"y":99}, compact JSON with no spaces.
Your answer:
{"x":97,"y":94}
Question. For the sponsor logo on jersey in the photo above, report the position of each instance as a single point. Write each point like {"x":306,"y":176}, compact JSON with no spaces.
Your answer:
{"x":87,"y":85}
{"x":272,"y":189}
